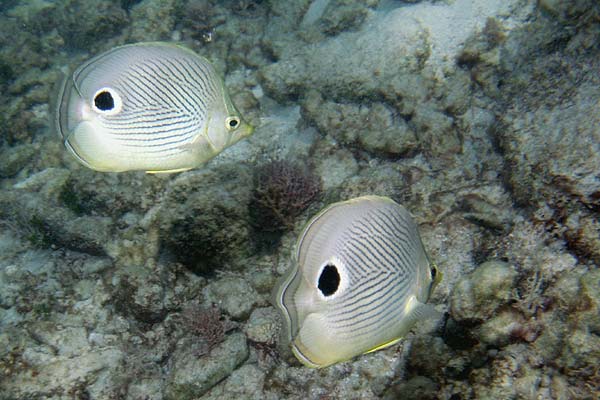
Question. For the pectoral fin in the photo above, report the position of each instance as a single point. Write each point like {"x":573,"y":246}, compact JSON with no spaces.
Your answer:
{"x":416,"y":311}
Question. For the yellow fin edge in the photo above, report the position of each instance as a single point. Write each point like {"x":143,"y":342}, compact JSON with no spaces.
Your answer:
{"x":169,"y":171}
{"x":383,"y":346}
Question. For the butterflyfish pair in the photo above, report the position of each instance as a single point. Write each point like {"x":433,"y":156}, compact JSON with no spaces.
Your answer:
{"x":361,"y":276}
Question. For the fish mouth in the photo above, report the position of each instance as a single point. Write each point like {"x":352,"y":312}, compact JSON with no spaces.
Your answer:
{"x":241,"y":133}
{"x":246,"y":130}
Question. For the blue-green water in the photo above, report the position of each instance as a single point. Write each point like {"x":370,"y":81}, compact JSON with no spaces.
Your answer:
{"x":480,"y":117}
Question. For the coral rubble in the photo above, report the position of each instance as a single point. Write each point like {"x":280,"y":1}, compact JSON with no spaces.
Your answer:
{"x":481,"y":117}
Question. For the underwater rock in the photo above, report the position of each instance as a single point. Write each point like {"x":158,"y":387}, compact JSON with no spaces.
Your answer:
{"x":120,"y":196}
{"x":478,"y":294}
{"x":152,"y":20}
{"x":384,"y":178}
{"x":459,"y":88}
{"x":376,"y":127}
{"x":200,"y":18}
{"x":360,"y":380}
{"x":583,"y":233}
{"x":331,"y":17}
{"x":418,"y":35}
{"x":282,"y":191}
{"x":561,"y":167}
{"x":204,"y":218}
{"x":504,"y":376}
{"x":427,"y":354}
{"x":33,"y":207}
{"x":417,"y":388}
{"x":578,"y":338}
{"x":192,"y":376}
{"x":27,"y":40}
{"x":334,"y":166}
{"x":145,"y":293}
{"x":207,"y":324}
{"x":314,"y":12}
{"x":499,"y":330}
{"x":263,"y":325}
{"x":243,"y":51}
{"x":550,"y":151}
{"x":590,"y":283}
{"x":345,"y":15}
{"x":482,"y":211}
{"x":582,"y":348}
{"x":390,"y":106}
{"x":437,"y":134}
{"x":234,"y":295}
{"x":65,"y":334}
{"x":142,"y":301}
{"x":259,"y":273}
{"x":60,"y":376}
{"x":67,"y":341}
{"x":569,"y":11}
{"x":48,"y":183}
{"x":14,"y":159}
{"x":364,"y":74}
{"x":81,"y":23}
{"x":246,"y":382}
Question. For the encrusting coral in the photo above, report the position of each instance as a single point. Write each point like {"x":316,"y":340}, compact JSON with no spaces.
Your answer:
{"x":479,"y":118}
{"x":282,"y":190}
{"x":206,"y":323}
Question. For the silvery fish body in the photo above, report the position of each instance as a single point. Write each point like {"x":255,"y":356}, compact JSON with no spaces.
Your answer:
{"x":154,"y":107}
{"x":359,"y":282}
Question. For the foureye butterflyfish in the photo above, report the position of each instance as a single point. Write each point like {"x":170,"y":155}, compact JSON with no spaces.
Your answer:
{"x":155,"y":107}
{"x":359,"y":281}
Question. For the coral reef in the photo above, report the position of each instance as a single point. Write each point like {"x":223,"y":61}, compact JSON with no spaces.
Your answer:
{"x":207,"y":324}
{"x":193,"y":376}
{"x":480,"y":117}
{"x":202,"y":221}
{"x":282,"y":190}
{"x":539,"y":114}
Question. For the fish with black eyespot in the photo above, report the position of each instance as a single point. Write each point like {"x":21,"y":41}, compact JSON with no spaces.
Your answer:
{"x":154,"y":107}
{"x":360,"y":281}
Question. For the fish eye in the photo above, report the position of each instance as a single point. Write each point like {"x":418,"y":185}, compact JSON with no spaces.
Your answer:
{"x":329,"y":280}
{"x":232,"y":123}
{"x":107,"y":101}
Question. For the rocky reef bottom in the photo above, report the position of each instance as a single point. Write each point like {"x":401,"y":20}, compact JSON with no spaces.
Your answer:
{"x":480,"y":117}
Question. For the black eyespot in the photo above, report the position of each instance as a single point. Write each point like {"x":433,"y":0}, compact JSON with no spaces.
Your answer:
{"x":329,"y":281}
{"x":433,"y":272}
{"x":104,"y":101}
